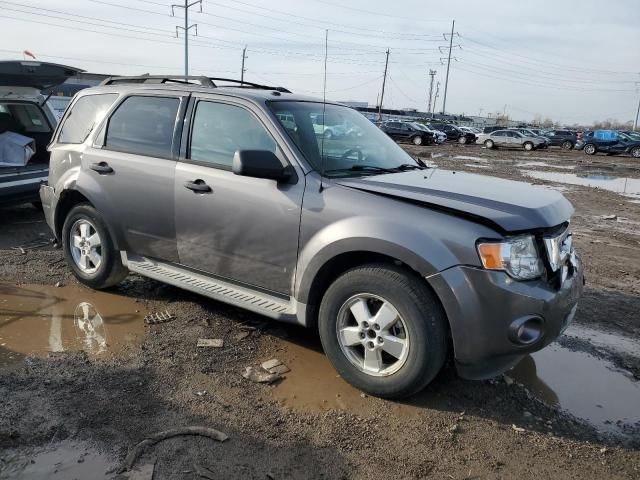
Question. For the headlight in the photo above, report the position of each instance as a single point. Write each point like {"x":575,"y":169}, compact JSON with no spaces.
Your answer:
{"x":517,"y":256}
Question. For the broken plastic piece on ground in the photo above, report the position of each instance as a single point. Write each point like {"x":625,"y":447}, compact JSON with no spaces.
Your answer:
{"x":159,"y":317}
{"x":133,"y":455}
{"x":275,"y":366}
{"x":210,"y":342}
{"x":260,"y":375}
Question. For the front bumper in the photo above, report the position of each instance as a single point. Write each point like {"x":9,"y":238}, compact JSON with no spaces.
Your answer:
{"x":48,"y":199}
{"x":482,"y":305}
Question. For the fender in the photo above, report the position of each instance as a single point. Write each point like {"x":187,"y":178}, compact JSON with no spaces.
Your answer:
{"x":423,"y":253}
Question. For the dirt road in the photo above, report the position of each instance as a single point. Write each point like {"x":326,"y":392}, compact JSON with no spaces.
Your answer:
{"x":83,"y":379}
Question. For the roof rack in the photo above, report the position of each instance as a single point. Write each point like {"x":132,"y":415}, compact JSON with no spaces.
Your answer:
{"x":189,"y":80}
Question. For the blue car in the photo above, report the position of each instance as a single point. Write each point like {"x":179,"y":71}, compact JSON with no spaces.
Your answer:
{"x":611,"y":142}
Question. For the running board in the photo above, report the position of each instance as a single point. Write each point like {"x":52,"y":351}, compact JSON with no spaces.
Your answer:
{"x":214,"y":288}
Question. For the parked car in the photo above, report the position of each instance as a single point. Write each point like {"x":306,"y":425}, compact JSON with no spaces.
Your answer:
{"x":454,"y":133}
{"x":610,"y":142}
{"x":493,"y":128}
{"x":511,"y":139}
{"x":527,"y":132}
{"x":562,"y":138}
{"x":438,"y":136}
{"x":27,"y":122}
{"x":398,"y":266}
{"x":407,"y":132}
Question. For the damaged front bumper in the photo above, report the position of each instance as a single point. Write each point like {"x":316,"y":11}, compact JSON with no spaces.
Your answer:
{"x":496,"y":320}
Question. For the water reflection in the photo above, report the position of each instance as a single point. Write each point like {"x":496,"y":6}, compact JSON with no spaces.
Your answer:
{"x":625,"y":186}
{"x":37,"y":320}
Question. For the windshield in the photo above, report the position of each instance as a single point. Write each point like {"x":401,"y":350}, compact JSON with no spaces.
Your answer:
{"x":342,"y":142}
{"x":420,"y":126}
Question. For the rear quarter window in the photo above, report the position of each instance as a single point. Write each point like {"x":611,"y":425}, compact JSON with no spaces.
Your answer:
{"x":143,"y":125}
{"x":85,"y":114}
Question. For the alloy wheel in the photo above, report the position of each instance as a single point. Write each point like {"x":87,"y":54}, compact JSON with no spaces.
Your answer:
{"x":372,"y":335}
{"x":86,"y":246}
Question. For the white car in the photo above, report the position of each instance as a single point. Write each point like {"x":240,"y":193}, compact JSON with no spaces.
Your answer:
{"x":27,"y":122}
{"x":509,"y":138}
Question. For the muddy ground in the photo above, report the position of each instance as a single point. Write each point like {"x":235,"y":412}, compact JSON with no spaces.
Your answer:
{"x":82,"y":379}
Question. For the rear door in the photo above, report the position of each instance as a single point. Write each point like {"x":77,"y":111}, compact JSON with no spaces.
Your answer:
{"x":239,"y":228}
{"x":131,"y":172}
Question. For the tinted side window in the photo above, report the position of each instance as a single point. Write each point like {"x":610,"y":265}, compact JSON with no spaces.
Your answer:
{"x":220,"y":129}
{"x":85,"y":114}
{"x":144,"y":126}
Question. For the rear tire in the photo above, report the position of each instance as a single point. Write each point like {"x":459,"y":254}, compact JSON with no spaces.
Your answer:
{"x":414,"y":330}
{"x":88,"y":248}
{"x":567,"y":145}
{"x":528,"y":146}
{"x":590,"y":149}
{"x":635,"y":152}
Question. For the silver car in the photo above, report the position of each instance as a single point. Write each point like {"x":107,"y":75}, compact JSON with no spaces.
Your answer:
{"x":509,"y":139}
{"x":230,"y":193}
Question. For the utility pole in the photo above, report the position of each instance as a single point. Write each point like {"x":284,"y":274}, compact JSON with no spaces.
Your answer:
{"x":446,"y":82}
{"x":435,"y":99}
{"x":432,"y":74}
{"x":635,"y":123}
{"x":186,"y":29}
{"x":384,"y":81}
{"x":242,"y":70}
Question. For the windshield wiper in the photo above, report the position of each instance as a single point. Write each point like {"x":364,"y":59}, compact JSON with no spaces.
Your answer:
{"x":363,"y":168}
{"x":409,"y":166}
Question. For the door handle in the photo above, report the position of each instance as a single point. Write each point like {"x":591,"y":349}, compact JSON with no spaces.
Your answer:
{"x":198,"y":186}
{"x":102,"y":168}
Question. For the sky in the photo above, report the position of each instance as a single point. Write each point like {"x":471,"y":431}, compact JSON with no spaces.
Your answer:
{"x":572,"y":61}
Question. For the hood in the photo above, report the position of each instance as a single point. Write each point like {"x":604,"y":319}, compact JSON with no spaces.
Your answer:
{"x":512,"y":206}
{"x":35,"y":75}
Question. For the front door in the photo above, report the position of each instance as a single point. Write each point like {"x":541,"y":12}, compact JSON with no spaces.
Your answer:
{"x":240,"y":228}
{"x":132,"y":169}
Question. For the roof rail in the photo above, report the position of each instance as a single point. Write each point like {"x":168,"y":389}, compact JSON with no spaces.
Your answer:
{"x":161,"y":79}
{"x":189,"y":80}
{"x":245,"y":84}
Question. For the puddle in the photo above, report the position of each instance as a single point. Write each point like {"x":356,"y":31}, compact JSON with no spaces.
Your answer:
{"x":314,"y":386}
{"x":466,"y":157}
{"x":625,"y":186}
{"x":64,"y":461}
{"x":543,"y":164}
{"x":583,"y":385}
{"x":37,"y":320}
{"x":476,"y":165}
{"x":600,"y":338}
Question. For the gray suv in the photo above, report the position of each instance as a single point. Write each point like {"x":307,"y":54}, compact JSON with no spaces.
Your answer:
{"x":231,"y":192}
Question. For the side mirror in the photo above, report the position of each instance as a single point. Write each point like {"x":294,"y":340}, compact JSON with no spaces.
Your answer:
{"x":259,"y":164}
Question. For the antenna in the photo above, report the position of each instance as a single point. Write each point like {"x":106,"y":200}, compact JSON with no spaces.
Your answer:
{"x":324,"y":106}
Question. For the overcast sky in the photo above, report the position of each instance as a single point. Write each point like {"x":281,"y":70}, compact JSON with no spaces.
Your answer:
{"x":574,"y":61}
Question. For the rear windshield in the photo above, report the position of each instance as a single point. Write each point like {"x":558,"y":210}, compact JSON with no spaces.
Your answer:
{"x":85,"y":114}
{"x":23,"y":118}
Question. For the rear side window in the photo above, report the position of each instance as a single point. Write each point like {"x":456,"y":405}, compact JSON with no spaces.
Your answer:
{"x":143,"y":126}
{"x":220,"y":129}
{"x":85,"y":114}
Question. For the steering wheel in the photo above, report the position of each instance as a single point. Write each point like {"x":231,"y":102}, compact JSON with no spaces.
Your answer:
{"x":346,"y":154}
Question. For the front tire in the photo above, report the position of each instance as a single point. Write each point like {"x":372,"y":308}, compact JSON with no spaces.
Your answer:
{"x":417,"y":140}
{"x":590,"y":149}
{"x":567,"y":145}
{"x":88,"y":248}
{"x":489,"y":144}
{"x":462,"y":140}
{"x":635,"y":152}
{"x":383,"y":330}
